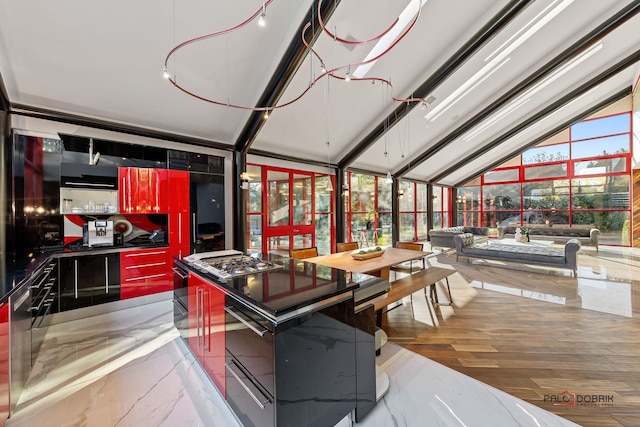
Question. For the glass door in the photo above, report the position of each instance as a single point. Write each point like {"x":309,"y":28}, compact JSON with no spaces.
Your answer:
{"x":289,"y":211}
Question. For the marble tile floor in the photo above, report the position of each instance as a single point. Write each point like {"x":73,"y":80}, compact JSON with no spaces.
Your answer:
{"x":129,"y":368}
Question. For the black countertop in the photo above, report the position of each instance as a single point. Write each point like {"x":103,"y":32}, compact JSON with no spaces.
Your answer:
{"x":15,"y":269}
{"x":281,"y":293}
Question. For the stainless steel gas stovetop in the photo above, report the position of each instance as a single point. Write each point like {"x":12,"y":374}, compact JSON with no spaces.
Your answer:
{"x":228,"y":264}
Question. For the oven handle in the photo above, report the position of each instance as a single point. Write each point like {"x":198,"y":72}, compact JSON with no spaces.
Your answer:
{"x":180,"y":273}
{"x":244,"y":322}
{"x":246,"y":388}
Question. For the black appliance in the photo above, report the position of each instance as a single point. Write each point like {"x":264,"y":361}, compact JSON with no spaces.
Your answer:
{"x":207,"y":211}
{"x":181,"y":299}
{"x":83,"y":175}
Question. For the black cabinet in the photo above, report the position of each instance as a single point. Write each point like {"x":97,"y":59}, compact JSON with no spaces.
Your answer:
{"x":300,"y":372}
{"x":89,"y":280}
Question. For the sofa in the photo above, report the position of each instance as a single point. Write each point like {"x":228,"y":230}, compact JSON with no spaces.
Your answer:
{"x":522,"y":253}
{"x":586,"y":236}
{"x":443,"y":238}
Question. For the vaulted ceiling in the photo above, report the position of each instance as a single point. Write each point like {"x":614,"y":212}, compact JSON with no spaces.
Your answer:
{"x":496,"y":76}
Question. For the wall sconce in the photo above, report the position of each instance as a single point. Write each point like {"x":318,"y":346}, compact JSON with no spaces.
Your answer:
{"x":244,"y":180}
{"x":434,"y":196}
{"x":459,"y":199}
{"x":400,"y":194}
{"x":345,"y":190}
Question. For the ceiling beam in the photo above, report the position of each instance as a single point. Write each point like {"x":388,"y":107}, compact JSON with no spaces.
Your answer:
{"x":289,"y":63}
{"x":489,"y":30}
{"x":57,"y":116}
{"x":575,"y":119}
{"x":4,"y":98}
{"x":581,"y":45}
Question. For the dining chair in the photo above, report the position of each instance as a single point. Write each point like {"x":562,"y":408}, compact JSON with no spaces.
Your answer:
{"x":303,"y":253}
{"x":346,"y":246}
{"x":407,"y":267}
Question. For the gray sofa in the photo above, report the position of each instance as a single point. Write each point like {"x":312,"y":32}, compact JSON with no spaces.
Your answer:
{"x":586,"y":236}
{"x":523,"y":253}
{"x":443,"y":238}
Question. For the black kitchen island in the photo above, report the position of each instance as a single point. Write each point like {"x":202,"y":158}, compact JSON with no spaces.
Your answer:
{"x":286,"y":346}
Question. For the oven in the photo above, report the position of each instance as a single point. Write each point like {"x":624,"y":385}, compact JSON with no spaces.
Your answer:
{"x":181,"y":300}
{"x":250,"y":364}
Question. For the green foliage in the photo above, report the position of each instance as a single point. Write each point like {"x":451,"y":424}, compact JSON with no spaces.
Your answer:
{"x":625,"y":233}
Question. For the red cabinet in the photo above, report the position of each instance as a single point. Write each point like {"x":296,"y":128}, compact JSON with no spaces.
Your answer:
{"x":4,"y":363}
{"x":179,"y":230}
{"x":143,"y":190}
{"x":206,"y":328}
{"x":145,"y":272}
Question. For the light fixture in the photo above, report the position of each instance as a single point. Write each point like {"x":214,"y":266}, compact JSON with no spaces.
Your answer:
{"x":398,"y":29}
{"x":345,"y":190}
{"x":329,"y":183}
{"x":93,"y":160}
{"x":262,"y":21}
{"x":244,"y":180}
{"x":266,"y":114}
{"x":459,"y":199}
{"x":434,"y":196}
{"x":389,"y":179}
{"x":400,"y":193}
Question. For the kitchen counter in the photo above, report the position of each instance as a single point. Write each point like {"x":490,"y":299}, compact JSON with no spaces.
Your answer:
{"x":284,"y":293}
{"x":16,"y":269}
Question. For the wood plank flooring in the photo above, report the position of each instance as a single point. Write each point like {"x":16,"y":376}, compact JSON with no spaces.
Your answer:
{"x":535,"y":332}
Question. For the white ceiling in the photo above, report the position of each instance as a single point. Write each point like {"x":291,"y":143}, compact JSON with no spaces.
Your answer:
{"x":104,"y":60}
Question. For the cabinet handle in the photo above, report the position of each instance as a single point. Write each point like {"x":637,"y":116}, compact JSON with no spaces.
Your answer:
{"x":146,"y":253}
{"x":203,"y":316}
{"x":89,"y":184}
{"x":153,"y":264}
{"x":179,"y":228}
{"x":194,"y":226}
{"x":198,"y":315}
{"x":151,"y":276}
{"x":75,"y":277}
{"x":207,"y":313}
{"x":106,"y":274}
{"x":245,"y":387}
{"x":244,"y":322}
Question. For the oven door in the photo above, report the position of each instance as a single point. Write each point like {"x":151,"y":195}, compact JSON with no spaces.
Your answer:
{"x":181,"y":300}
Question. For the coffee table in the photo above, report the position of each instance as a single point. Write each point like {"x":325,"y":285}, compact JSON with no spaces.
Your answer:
{"x":532,"y":242}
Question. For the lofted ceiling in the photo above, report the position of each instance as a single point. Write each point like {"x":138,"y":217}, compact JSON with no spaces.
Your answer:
{"x":496,"y":75}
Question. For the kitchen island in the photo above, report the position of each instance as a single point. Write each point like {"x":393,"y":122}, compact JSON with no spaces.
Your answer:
{"x":286,"y":346}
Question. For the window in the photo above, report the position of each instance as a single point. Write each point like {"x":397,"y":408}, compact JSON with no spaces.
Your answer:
{"x":548,"y":153}
{"x":593,"y":190}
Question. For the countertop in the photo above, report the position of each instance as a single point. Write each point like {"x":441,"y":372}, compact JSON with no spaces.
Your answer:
{"x":284,"y":293}
{"x":14,"y":269}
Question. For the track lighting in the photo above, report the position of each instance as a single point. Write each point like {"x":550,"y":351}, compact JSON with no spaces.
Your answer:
{"x":165,"y":73}
{"x":265,"y":115}
{"x":347,"y":77}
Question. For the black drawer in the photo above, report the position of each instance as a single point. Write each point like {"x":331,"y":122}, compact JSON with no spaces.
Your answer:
{"x":251,"y":403}
{"x":250,"y":340}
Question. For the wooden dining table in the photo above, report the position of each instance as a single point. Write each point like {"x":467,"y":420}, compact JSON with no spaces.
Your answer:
{"x":344,"y":260}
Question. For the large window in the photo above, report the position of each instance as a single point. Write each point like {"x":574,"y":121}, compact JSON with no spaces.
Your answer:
{"x":581,"y":182}
{"x":441,"y":207}
{"x":368,"y":210}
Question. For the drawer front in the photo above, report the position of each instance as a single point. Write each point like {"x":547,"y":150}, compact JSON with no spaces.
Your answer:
{"x":145,"y":272}
{"x":250,"y":403}
{"x":133,"y":258}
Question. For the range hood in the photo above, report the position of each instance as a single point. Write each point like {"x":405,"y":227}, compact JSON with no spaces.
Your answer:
{"x":97,"y":177}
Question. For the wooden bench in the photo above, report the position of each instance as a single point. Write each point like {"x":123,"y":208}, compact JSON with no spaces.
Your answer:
{"x":410,"y":284}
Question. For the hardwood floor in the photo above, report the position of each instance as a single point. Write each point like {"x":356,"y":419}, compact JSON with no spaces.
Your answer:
{"x":535,"y":332}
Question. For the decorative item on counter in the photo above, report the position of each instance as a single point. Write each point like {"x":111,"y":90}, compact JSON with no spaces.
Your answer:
{"x":527,"y":232}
